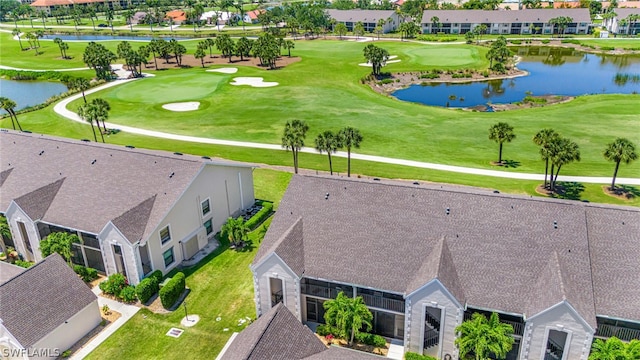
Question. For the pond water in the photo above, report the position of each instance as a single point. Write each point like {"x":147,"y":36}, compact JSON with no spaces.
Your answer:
{"x":108,"y":37}
{"x":552,"y":71}
{"x":29,"y":93}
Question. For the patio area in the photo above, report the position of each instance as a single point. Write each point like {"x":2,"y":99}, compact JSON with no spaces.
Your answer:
{"x":211,"y":246}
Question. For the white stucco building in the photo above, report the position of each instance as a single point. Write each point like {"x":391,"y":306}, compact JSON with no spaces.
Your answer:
{"x":134,"y":210}
{"x":425,"y":259}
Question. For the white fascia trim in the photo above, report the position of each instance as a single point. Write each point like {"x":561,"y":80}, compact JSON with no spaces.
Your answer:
{"x":573,"y":310}
{"x":446,"y":291}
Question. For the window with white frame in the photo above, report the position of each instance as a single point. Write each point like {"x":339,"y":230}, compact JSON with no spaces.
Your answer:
{"x":165,"y":235}
{"x":206,"y":207}
{"x":168,"y":256}
{"x":208,"y":226}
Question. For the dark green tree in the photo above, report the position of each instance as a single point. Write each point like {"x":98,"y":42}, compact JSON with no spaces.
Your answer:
{"x":293,"y":137}
{"x":620,"y":150}
{"x":501,"y":133}
{"x":349,"y":138}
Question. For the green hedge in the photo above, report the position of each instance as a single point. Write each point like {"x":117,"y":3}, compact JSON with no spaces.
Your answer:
{"x":147,"y":288}
{"x":128,"y":294}
{"x":157,"y":275}
{"x":114,"y":285}
{"x":170,"y":293}
{"x":415,"y":356}
{"x":86,"y":273}
{"x":324,"y":330}
{"x":371,"y":339}
{"x":260,"y":216}
{"x":24,"y":264}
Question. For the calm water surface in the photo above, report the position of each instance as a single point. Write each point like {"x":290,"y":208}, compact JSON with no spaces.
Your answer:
{"x":29,"y":93}
{"x":553,"y":71}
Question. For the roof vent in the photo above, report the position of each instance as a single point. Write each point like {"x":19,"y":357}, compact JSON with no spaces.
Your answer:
{"x":555,"y":224}
{"x":170,"y":176}
{"x":326,"y":197}
{"x":41,"y":152}
{"x":93,"y":162}
{"x":448,"y":211}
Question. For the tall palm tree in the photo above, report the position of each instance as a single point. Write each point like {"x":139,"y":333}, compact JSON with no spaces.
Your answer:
{"x":16,"y":32}
{"x":236,"y":229}
{"x":328,"y":142}
{"x":620,"y":150}
{"x":348,"y":315}
{"x":482,"y":337}
{"x":91,"y":113}
{"x":293,"y":138}
{"x":5,"y":231}
{"x":360,"y":317}
{"x":350,"y":138}
{"x":543,"y":138}
{"x":611,"y":349}
{"x":9,"y":105}
{"x":103,"y":110}
{"x":82,"y":85}
{"x":563,"y":151}
{"x":501,"y":133}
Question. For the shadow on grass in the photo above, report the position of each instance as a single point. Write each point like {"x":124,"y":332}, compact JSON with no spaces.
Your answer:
{"x":568,"y":190}
{"x":510,"y":163}
{"x":625,"y":191}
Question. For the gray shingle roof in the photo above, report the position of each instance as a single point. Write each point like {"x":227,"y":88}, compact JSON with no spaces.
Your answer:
{"x":497,"y":243}
{"x":36,"y":203}
{"x":41,"y":298}
{"x":133,"y":222}
{"x":291,"y":248}
{"x":624,"y":12}
{"x":4,"y":175}
{"x":366,"y":16}
{"x":115,"y":177}
{"x":549,"y":287}
{"x":340,"y":353}
{"x":504,"y":16}
{"x":8,"y":271}
{"x":277,"y":334}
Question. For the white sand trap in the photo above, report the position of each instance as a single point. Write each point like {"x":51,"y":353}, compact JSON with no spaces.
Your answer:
{"x":390,"y":61}
{"x":184,"y":106}
{"x":224,"y":70}
{"x":253,"y":82}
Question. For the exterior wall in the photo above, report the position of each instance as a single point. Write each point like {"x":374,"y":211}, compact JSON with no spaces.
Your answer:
{"x":68,"y":333}
{"x":434,"y":295}
{"x":14,"y":215}
{"x":562,"y":318}
{"x":229,"y":190}
{"x":110,"y":236}
{"x":274,"y":267}
{"x":502,"y":28}
{"x":8,"y":343}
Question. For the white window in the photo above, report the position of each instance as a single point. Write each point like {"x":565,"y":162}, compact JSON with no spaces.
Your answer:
{"x":168,"y":257}
{"x":165,"y":235}
{"x":206,"y":208}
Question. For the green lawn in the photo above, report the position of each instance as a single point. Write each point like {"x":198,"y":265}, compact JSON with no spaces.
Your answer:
{"x":221,"y":286}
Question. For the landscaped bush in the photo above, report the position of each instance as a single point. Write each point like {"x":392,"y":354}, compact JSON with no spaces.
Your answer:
{"x":371,"y":339}
{"x":86,"y":274}
{"x":157,"y":275}
{"x":570,"y":41}
{"x":429,"y":76}
{"x":171,"y":292}
{"x":516,"y":42}
{"x":545,"y":41}
{"x":128,"y":294}
{"x":415,"y":356}
{"x":267,"y":207}
{"x":24,"y":264}
{"x":324,"y":330}
{"x":607,"y":48}
{"x":147,"y":288}
{"x":114,"y":285}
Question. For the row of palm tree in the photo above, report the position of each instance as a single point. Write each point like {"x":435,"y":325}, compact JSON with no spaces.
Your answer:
{"x":97,"y":110}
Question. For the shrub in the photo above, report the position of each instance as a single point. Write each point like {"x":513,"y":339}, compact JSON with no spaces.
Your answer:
{"x":415,"y":356}
{"x":147,"y":288}
{"x":114,"y":285}
{"x":157,"y":275}
{"x":371,"y":339}
{"x":384,"y":81}
{"x":267,"y":207}
{"x":516,"y":42}
{"x":570,"y":41}
{"x":86,"y":274}
{"x":545,"y":41}
{"x":324,"y":330}
{"x":170,"y":293}
{"x":429,"y":76}
{"x":24,"y":264}
{"x":106,"y":310}
{"x":66,"y":353}
{"x":607,"y":48}
{"x":128,"y":294}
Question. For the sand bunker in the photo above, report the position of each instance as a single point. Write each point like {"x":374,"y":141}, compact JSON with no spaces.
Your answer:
{"x":390,"y":61}
{"x":224,"y":70}
{"x":253,"y":82}
{"x":184,"y":106}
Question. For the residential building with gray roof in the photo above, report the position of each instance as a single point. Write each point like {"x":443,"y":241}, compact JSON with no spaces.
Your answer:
{"x":389,"y":19}
{"x":425,"y":258}
{"x":134,"y":210}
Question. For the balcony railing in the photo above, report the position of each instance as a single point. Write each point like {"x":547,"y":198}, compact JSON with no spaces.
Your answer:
{"x":276,"y":298}
{"x":431,"y":338}
{"x":383,"y":303}
{"x":323,"y":291}
{"x":518,"y":327}
{"x":622,"y":333}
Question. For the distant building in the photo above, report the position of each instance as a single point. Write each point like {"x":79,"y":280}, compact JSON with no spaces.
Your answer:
{"x":627,"y":27}
{"x":505,"y":22}
{"x":49,"y":5}
{"x":369,"y":19}
{"x":178,"y":16}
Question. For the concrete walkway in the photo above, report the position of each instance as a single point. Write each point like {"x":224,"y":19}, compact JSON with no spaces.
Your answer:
{"x":126,"y":311}
{"x":61,"y":108}
{"x":396,"y":350}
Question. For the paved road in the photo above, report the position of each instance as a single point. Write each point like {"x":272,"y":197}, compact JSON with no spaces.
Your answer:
{"x":61,"y":108}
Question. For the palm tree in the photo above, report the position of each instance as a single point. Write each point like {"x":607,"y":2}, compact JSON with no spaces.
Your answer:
{"x":543,"y":138}
{"x":15,"y":32}
{"x":59,"y":242}
{"x":236,"y":229}
{"x":611,"y":349}
{"x":9,"y":105}
{"x":5,"y":231}
{"x":563,"y":151}
{"x":350,"y":138}
{"x":293,"y":138}
{"x":501,"y":133}
{"x":481,"y":337}
{"x":621,"y":150}
{"x":103,"y":110}
{"x":43,"y":16}
{"x":329,"y":142}
{"x":128,"y":16}
{"x":82,"y":85}
{"x":91,"y":113}
{"x":348,"y":315}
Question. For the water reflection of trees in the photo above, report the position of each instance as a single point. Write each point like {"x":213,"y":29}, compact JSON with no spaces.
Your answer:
{"x":619,"y":61}
{"x":622,"y":79}
{"x":493,"y":88}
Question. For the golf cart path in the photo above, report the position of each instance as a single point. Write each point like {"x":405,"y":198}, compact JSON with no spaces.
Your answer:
{"x":61,"y":109}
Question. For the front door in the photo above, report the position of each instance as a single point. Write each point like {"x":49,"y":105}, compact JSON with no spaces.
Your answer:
{"x":117,"y":254}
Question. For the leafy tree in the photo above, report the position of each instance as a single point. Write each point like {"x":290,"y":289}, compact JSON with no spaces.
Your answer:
{"x":611,"y":349}
{"x":377,"y":57}
{"x":200,"y":53}
{"x":293,"y":138}
{"x":620,"y":150}
{"x":9,"y":105}
{"x":435,"y":23}
{"x":343,"y":4}
{"x":329,"y":143}
{"x":16,"y":33}
{"x":5,"y":230}
{"x":469,"y":36}
{"x":99,"y":58}
{"x":531,"y":4}
{"x":236,"y":230}
{"x":501,"y":133}
{"x":498,"y":54}
{"x":544,"y":138}
{"x":340,"y":29}
{"x":408,"y":29}
{"x":358,"y":29}
{"x":482,"y":337}
{"x":243,"y":47}
{"x":349,"y":138}
{"x":348,"y":315}
{"x":561,"y":23}
{"x":59,"y":242}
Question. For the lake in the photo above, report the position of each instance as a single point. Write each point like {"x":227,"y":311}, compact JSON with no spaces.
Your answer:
{"x":552,"y":71}
{"x":108,"y":37}
{"x":29,"y":93}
